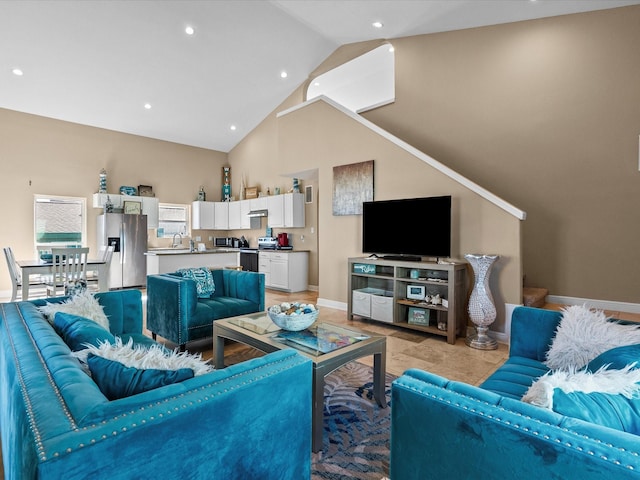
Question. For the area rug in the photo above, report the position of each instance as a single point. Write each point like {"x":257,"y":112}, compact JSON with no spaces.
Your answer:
{"x":356,"y":429}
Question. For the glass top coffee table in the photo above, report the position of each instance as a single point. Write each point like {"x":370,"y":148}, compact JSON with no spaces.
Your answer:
{"x":328,"y":346}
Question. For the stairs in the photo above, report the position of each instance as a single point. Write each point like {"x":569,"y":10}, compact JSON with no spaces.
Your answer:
{"x":534,"y":297}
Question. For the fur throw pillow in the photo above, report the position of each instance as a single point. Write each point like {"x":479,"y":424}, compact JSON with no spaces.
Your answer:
{"x":615,"y":382}
{"x":583,"y":334}
{"x":83,"y":304}
{"x":154,"y":357}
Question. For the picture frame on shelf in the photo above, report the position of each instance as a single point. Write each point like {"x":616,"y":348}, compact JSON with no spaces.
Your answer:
{"x":132,"y":208}
{"x":416,"y":292}
{"x":251,"y":192}
{"x":145,"y":191}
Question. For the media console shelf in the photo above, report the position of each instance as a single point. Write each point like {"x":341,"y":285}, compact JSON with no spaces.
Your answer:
{"x":378,"y":290}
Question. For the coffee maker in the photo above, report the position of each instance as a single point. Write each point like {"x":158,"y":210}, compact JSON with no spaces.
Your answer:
{"x":283,"y":240}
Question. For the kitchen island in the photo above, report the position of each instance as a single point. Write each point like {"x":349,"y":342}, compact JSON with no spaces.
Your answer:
{"x":167,"y":260}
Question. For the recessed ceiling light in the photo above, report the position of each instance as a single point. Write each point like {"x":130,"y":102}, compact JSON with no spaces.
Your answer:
{"x":232,"y":127}
{"x":316,"y":84}
{"x":147,"y":106}
{"x":391,"y":49}
{"x":284,"y":74}
{"x":377,"y":24}
{"x":189,"y":30}
{"x":17,"y":71}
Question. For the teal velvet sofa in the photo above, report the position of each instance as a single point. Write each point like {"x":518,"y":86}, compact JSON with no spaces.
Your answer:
{"x":447,"y":429}
{"x":176,"y":313}
{"x":251,"y":420}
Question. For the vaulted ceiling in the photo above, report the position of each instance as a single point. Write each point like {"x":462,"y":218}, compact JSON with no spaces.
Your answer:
{"x":100,"y":63}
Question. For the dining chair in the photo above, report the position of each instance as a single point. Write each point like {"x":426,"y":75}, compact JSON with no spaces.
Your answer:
{"x":68,"y":267}
{"x":37,"y":287}
{"x":106,"y":253}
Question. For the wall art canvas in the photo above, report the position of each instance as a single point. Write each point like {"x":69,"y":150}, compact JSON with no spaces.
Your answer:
{"x":352,"y":185}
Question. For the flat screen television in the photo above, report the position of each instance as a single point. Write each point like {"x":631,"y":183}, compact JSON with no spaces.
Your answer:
{"x":408,"y":228}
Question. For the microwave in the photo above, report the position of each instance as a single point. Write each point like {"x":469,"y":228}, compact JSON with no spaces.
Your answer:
{"x":222,"y":242}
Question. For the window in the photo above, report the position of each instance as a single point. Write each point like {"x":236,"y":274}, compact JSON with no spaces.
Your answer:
{"x":364,"y":83}
{"x":59,"y":222}
{"x":173,"y":219}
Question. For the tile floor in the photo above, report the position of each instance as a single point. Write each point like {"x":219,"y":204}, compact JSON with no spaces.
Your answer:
{"x":405,"y":349}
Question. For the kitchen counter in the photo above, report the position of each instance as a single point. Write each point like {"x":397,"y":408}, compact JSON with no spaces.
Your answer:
{"x":186,"y":251}
{"x":167,"y":260}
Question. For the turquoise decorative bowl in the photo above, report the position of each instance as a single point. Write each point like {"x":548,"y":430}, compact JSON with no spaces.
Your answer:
{"x":292,"y":323}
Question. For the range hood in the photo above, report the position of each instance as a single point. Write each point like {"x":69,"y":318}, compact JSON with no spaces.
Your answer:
{"x":258,"y":213}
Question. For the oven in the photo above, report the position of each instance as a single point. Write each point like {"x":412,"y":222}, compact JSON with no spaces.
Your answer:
{"x":249,"y":259}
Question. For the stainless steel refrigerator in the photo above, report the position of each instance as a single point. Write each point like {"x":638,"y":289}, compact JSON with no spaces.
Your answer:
{"x":128,"y":234}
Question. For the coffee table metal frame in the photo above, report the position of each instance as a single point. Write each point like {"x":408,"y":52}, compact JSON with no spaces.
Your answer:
{"x":323,"y":363}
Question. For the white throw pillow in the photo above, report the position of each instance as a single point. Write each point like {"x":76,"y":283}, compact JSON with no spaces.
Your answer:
{"x":615,"y":382}
{"x":154,"y":357}
{"x":83,"y":304}
{"x":583,"y":334}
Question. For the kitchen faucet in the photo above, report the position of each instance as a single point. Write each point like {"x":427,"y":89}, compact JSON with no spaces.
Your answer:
{"x":174,"y":244}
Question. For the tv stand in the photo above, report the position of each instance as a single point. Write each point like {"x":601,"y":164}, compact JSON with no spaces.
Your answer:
{"x":402,"y":258}
{"x":378,"y":292}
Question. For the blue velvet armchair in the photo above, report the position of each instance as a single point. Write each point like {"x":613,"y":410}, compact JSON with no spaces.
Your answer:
{"x":176,"y":313}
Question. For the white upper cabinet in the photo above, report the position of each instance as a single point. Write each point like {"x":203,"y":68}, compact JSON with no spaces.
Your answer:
{"x":294,"y":210}
{"x":245,"y":219}
{"x":202,"y":215}
{"x":234,"y":216}
{"x":259,"y":203}
{"x":275,"y":206}
{"x":286,"y":211}
{"x":238,"y":215}
{"x":151,"y":208}
{"x":221,"y":216}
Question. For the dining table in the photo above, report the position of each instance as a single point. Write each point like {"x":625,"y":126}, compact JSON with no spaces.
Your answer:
{"x":41,"y":267}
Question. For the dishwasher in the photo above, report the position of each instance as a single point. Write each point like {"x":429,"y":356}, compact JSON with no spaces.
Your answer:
{"x":249,"y":259}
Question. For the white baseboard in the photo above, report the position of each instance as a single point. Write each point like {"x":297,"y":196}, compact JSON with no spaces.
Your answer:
{"x":5,"y":295}
{"x":599,"y":304}
{"x":323,"y":302}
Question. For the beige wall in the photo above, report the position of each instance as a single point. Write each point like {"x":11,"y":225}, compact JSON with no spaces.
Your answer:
{"x":320,"y":135}
{"x":50,"y":157}
{"x":542,"y":113}
{"x":545,"y":114}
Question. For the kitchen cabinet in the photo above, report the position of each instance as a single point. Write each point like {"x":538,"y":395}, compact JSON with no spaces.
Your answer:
{"x":238,"y":218}
{"x":150,"y":205}
{"x":275,"y":207}
{"x":234,"y":216}
{"x":245,"y":219}
{"x":202,"y":215}
{"x":259,"y":203}
{"x":285,"y":270}
{"x":100,"y":199}
{"x":221,"y":216}
{"x":151,"y":208}
{"x":286,"y":211}
{"x":170,"y":262}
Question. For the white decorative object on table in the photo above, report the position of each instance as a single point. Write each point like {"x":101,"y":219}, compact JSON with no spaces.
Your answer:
{"x":482,"y":310}
{"x":293,"y":316}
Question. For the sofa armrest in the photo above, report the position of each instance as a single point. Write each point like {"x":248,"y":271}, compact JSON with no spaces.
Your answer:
{"x":171,"y":302}
{"x":123,"y":308}
{"x":240,"y":284}
{"x":446,"y":429}
{"x":532,"y":331}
